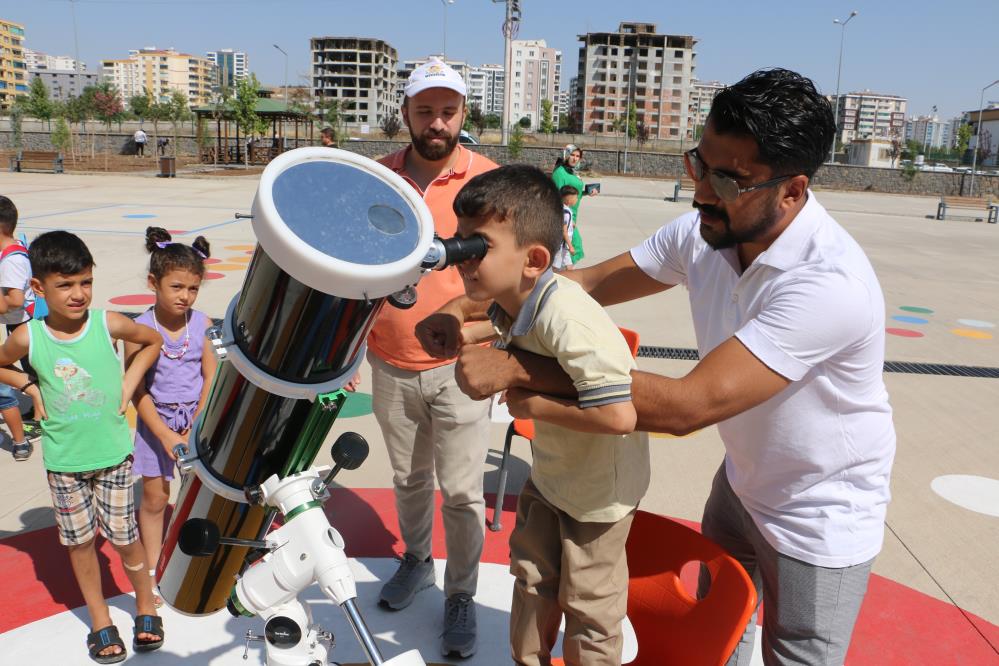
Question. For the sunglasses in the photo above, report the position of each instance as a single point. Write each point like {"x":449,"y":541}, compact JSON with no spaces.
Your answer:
{"x":725,"y":187}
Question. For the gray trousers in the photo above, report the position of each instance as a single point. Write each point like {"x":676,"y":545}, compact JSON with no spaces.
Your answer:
{"x":430,"y":427}
{"x":809,"y":610}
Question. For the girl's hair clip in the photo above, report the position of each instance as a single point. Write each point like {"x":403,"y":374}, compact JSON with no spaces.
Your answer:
{"x":163,"y":244}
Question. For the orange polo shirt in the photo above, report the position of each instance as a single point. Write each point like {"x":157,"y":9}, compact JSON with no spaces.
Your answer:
{"x":392,"y":339}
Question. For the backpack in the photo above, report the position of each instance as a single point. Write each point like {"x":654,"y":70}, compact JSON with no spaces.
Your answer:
{"x":37,"y":309}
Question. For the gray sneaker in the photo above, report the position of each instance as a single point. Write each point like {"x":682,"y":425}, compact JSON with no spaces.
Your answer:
{"x":459,"y":626}
{"x":412,"y":576}
{"x":23,"y":451}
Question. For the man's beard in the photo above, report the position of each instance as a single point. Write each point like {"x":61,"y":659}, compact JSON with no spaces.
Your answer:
{"x":431,"y":152}
{"x":719,"y":240}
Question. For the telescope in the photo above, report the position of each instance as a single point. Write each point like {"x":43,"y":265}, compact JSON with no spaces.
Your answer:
{"x":338,"y":237}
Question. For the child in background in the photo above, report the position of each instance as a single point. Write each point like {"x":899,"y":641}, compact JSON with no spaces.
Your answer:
{"x":175,"y":388}
{"x":86,"y":444}
{"x":17,"y":303}
{"x":563,"y":258}
{"x":589,"y":468}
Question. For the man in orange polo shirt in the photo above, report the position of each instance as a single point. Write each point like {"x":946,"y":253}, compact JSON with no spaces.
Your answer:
{"x":428,"y":424}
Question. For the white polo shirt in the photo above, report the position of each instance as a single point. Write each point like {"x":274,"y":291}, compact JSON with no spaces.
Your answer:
{"x":812,"y":464}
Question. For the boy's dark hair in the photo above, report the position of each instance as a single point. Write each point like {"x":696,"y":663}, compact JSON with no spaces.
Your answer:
{"x":8,"y":215}
{"x":166,"y":256}
{"x":328,"y":133}
{"x":568,"y":190}
{"x":781,"y":110}
{"x":59,"y":252}
{"x":520,"y":194}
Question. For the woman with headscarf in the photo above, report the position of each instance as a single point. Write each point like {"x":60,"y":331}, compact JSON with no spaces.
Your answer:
{"x":565,"y":174}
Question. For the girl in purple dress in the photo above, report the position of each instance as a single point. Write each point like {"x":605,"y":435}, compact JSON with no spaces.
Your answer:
{"x":177,"y":385}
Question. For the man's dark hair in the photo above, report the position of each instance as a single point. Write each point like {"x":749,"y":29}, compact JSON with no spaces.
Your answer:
{"x":566,"y":190}
{"x":8,"y":215}
{"x":520,"y":194}
{"x":781,"y":110}
{"x":58,"y":252}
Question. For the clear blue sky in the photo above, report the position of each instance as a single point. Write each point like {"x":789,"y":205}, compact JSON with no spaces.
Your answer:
{"x":933,"y":53}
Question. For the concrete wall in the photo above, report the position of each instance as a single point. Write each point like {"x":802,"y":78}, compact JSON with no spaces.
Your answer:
{"x":653,"y":165}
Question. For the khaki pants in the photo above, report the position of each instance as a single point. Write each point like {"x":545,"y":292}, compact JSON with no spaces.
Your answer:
{"x":430,"y":426}
{"x":565,"y":566}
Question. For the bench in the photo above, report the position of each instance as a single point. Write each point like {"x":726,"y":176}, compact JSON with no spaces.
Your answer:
{"x":968,"y":203}
{"x":39,"y":160}
{"x":682,"y":183}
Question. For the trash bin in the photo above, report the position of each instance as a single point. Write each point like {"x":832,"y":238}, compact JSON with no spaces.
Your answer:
{"x":168,"y":167}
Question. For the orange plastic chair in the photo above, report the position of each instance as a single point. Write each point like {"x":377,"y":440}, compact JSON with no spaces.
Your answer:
{"x":525,"y":428}
{"x":672,"y":627}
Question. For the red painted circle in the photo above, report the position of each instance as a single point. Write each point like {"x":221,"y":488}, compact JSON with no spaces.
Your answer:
{"x":176,"y":232}
{"x":214,"y":276}
{"x":213,"y":260}
{"x":250,"y":252}
{"x":134,"y":299}
{"x":903,"y":332}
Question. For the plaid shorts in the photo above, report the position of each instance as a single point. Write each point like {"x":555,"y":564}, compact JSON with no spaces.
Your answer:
{"x":84,"y":500}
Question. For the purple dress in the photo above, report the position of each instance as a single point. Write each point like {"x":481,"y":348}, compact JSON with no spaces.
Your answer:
{"x":175,"y":387}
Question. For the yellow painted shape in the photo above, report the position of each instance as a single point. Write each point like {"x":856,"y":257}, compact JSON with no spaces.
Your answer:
{"x":969,"y":333}
{"x":239,"y":260}
{"x":240,"y":248}
{"x":227,"y":267}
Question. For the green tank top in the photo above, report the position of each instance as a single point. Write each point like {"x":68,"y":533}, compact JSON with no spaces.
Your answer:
{"x":80,"y":380}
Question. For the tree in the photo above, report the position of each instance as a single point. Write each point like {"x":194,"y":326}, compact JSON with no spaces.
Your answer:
{"x":984,"y":145}
{"x":332,"y":113}
{"x":642,"y":135}
{"x":963,"y":139}
{"x":628,"y":122}
{"x":16,"y":118}
{"x":565,"y":123}
{"x":547,"y":126}
{"x":391,"y":126}
{"x":895,"y":149}
{"x":244,"y":105}
{"x":108,"y":107}
{"x":61,"y":140}
{"x":139,"y":105}
{"x":476,"y":118}
{"x":177,"y":112}
{"x":525,"y":122}
{"x":516,"y":144}
{"x":220,"y":103}
{"x":493,"y":121}
{"x":39,"y":104}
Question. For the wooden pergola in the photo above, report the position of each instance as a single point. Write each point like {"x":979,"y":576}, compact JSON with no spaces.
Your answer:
{"x":228,"y":146}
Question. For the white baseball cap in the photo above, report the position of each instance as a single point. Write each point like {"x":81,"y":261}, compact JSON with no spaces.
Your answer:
{"x":434,"y":74}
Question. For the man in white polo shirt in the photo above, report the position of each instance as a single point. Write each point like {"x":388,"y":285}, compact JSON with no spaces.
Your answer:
{"x":789,"y":318}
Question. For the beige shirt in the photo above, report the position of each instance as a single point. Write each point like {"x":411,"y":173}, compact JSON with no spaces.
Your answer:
{"x":592,"y":477}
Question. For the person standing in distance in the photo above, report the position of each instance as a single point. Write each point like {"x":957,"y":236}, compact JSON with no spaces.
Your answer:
{"x":790,"y":325}
{"x":428,"y":424}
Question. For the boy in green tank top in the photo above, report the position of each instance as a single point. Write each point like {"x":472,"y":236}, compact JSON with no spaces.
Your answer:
{"x":86,"y":443}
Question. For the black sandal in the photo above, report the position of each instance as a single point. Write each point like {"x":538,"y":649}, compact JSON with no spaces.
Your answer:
{"x":102,"y":639}
{"x":147,"y":624}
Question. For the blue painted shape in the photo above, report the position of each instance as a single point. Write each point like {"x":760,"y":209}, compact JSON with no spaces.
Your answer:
{"x":911,"y":320}
{"x":139,"y":216}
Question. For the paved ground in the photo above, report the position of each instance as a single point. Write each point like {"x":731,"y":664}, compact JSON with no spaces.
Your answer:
{"x":942,"y":293}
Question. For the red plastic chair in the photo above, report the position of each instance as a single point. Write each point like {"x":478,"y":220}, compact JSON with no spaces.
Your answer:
{"x":672,"y":627}
{"x":525,"y":428}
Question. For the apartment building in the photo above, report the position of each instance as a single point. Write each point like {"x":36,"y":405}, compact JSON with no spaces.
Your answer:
{"x":636,"y":64}
{"x":13,"y":69}
{"x":485,"y":88}
{"x":702,"y":94}
{"x":536,"y":75}
{"x":64,"y":84}
{"x":230,"y":67}
{"x":162,"y":71}
{"x":359,"y":72}
{"x":865,"y":115}
{"x":38,"y":60}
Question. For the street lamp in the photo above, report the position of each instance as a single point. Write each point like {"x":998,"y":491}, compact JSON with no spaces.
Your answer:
{"x":285,"y":75}
{"x":839,"y":69}
{"x":511,"y":26}
{"x":444,"y":40}
{"x":926,"y":129}
{"x":978,"y":141}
